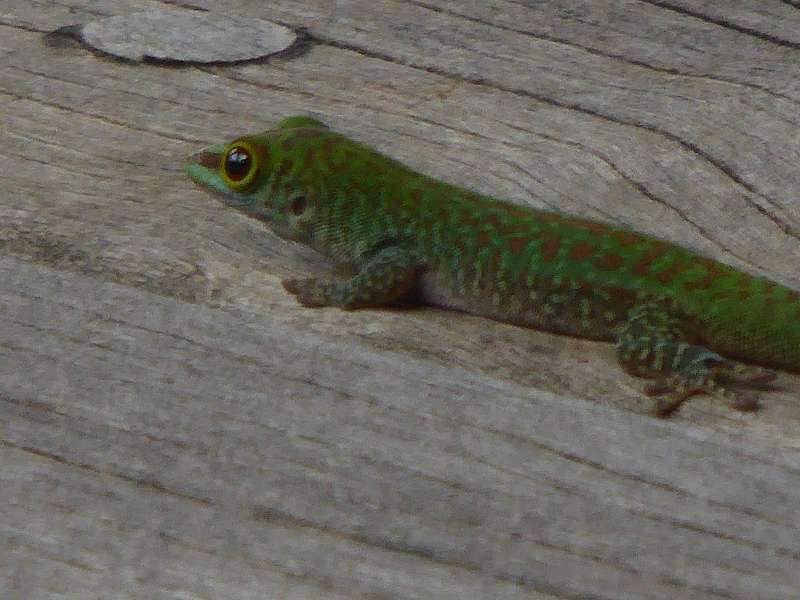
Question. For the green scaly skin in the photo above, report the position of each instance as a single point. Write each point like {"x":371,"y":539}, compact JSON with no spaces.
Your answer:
{"x":675,"y":316}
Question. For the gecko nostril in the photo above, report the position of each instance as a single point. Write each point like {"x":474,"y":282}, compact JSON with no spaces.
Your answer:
{"x":209,"y":160}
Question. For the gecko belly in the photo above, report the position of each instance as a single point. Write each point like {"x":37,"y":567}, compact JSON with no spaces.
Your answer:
{"x":567,"y":308}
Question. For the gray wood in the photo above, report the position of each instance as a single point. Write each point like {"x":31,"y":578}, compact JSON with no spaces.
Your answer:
{"x":185,"y":36}
{"x":175,"y":426}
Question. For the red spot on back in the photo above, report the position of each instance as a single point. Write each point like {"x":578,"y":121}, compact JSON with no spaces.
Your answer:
{"x":609,"y":262}
{"x":467,"y":218}
{"x":518,"y":244}
{"x":512,"y":210}
{"x":261,"y":150}
{"x":671,"y":271}
{"x":547,"y":217}
{"x":482,"y":238}
{"x":580,"y":250}
{"x":326,"y":150}
{"x":700,"y":284}
{"x":308,"y":132}
{"x":593,"y":226}
{"x":626,"y":238}
{"x":585,"y":224}
{"x":642,"y":266}
{"x":743,"y":282}
{"x":518,"y":228}
{"x":712,"y":271}
{"x":308,"y":159}
{"x":371,"y":165}
{"x":549,"y":245}
{"x":285,"y":167}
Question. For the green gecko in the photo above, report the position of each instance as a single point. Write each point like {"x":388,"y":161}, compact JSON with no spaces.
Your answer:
{"x":677,"y":317}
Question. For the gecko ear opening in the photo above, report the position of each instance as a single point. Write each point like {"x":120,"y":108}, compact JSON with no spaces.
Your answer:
{"x":239,"y":165}
{"x":300,"y":121}
{"x":298,"y":205}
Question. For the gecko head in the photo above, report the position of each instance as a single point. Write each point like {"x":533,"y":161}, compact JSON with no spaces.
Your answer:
{"x":262,"y":176}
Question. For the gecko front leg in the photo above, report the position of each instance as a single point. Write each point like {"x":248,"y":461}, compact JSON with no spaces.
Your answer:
{"x":653,"y":343}
{"x":383,"y":277}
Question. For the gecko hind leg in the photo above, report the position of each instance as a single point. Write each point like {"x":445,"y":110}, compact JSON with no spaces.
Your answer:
{"x":652,"y":343}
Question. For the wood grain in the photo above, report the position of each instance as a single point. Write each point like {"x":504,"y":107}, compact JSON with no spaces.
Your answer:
{"x":175,"y":426}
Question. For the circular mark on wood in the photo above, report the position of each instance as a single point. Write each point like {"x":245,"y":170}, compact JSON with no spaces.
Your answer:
{"x":194,"y":37}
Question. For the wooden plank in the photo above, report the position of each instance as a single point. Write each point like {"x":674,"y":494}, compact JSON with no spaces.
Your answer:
{"x":247,"y":419}
{"x":176,"y":426}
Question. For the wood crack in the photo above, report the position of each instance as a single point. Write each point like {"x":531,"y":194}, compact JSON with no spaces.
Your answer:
{"x":768,"y":37}
{"x":150,"y":483}
{"x":21,"y":26}
{"x":118,"y":122}
{"x":572,"y":457}
{"x":608,"y":55}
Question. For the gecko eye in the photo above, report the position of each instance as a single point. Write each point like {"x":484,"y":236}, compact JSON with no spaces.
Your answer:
{"x":237,"y":163}
{"x":298,"y":205}
{"x":240,"y":165}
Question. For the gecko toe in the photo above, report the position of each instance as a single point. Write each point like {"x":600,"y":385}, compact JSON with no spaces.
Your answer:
{"x":744,"y":401}
{"x":738,"y":374}
{"x":666,"y":404}
{"x":291,"y":285}
{"x":658,"y":387}
{"x":668,"y":393}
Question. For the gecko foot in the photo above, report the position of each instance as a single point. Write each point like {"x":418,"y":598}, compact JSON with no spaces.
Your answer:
{"x":671,"y":392}
{"x":309,"y":292}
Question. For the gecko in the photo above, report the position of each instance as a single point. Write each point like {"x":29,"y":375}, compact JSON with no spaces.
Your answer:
{"x":685,"y":321}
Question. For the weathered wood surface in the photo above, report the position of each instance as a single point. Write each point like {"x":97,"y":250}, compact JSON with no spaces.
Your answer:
{"x":174,"y":426}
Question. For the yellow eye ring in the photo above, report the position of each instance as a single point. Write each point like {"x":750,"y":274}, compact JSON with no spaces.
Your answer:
{"x":239,"y":165}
